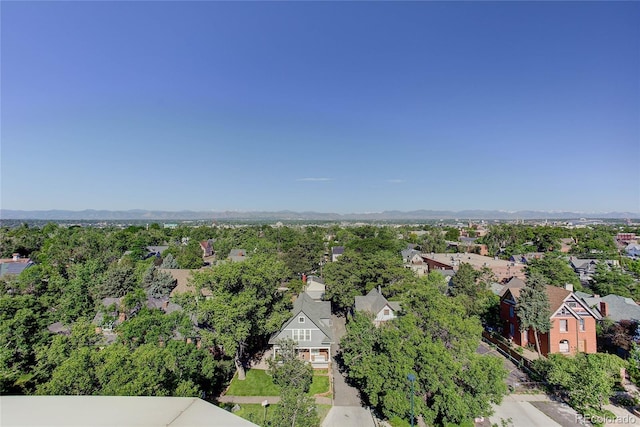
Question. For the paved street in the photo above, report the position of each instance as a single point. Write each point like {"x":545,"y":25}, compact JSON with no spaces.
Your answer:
{"x":517,"y":412}
{"x":347,"y":409}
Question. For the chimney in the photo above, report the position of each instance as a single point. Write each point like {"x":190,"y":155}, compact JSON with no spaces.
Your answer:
{"x":122,"y":317}
{"x":304,"y":278}
{"x":568,"y":286}
{"x":379,"y":290}
{"x":603,"y":309}
{"x":15,"y":256}
{"x":165,"y":304}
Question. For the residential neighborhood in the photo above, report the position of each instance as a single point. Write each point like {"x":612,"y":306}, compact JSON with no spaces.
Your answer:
{"x":320,"y":213}
{"x":193,"y":295}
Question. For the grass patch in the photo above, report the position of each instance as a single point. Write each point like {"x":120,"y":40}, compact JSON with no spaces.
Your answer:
{"x":396,"y":421}
{"x":257,"y":383}
{"x":254,"y":412}
{"x":319,"y":385}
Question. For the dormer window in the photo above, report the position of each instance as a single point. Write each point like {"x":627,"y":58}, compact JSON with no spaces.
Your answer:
{"x":301,"y":319}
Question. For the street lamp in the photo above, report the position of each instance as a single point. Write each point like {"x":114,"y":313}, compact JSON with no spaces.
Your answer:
{"x":412,"y":379}
{"x":265,"y":403}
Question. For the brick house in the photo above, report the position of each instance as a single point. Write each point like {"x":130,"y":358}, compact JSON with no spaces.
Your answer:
{"x":573,"y":322}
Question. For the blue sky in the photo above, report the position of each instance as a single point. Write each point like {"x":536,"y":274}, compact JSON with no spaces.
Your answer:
{"x":320,"y":106}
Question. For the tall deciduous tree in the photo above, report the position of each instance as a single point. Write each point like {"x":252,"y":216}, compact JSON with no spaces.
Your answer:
{"x":245,"y":305}
{"x":556,"y":270}
{"x":293,"y":375}
{"x":533,"y":307}
{"x":437,"y":342}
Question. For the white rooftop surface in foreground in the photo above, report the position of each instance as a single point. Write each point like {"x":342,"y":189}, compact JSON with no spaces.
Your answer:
{"x":121,"y":411}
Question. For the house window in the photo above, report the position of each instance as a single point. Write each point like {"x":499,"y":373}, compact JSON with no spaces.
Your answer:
{"x":301,"y":319}
{"x":386,"y":312}
{"x":301,"y":334}
{"x":511,"y":311}
{"x":564,"y":325}
{"x":564,"y":346}
{"x":572,"y":304}
{"x":512,"y":329}
{"x":582,"y":325}
{"x":315,"y":351}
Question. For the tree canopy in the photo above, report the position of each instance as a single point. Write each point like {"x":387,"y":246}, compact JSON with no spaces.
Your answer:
{"x":437,"y":342}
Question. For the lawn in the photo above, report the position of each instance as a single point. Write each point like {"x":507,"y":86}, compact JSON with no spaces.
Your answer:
{"x":254,"y":412}
{"x":258,"y":383}
{"x":319,"y":385}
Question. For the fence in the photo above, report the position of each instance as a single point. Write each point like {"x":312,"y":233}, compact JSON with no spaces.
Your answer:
{"x":518,"y":359}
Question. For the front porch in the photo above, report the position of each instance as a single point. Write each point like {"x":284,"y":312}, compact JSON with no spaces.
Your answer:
{"x":318,"y":357}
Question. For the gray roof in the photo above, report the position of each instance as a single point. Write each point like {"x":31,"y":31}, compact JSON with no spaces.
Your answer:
{"x":237,"y":255}
{"x":122,"y":411}
{"x":337,"y":250}
{"x":159,"y":303}
{"x":315,"y":311}
{"x":407,"y":254}
{"x":497,"y":288}
{"x":618,"y":307}
{"x":59,"y":328}
{"x":373,"y":302}
{"x":238,"y":252}
{"x":582,"y":263}
{"x":514,"y":282}
{"x":14,"y":267}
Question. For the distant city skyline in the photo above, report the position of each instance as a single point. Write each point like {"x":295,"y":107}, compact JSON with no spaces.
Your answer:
{"x":320,"y":106}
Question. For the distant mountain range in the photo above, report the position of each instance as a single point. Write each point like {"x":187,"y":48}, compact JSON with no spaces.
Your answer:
{"x":139,"y":214}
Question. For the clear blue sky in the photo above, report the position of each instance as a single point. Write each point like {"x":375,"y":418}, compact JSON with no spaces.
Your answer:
{"x":324,"y":106}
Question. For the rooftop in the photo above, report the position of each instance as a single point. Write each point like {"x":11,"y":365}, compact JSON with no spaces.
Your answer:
{"x":121,"y":411}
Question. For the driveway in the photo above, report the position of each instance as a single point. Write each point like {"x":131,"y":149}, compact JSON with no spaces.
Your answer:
{"x":347,"y":409}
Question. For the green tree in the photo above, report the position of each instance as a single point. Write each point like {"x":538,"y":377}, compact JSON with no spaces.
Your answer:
{"x":452,"y":234}
{"x":613,"y":280}
{"x":435,"y":340}
{"x":118,"y":280}
{"x":434,"y":241}
{"x":156,"y":283}
{"x":533,"y":307}
{"x":356,"y":274}
{"x":245,"y":306}
{"x":190,"y":256}
{"x":589,"y":379}
{"x":293,"y":375}
{"x":288,"y":370}
{"x":75,"y":376}
{"x":169,"y":262}
{"x":555,"y":270}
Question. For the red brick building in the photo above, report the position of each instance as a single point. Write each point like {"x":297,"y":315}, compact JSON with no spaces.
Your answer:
{"x":573,"y":323}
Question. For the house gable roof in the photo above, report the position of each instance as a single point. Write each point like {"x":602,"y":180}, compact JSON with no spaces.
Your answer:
{"x":557,"y":297}
{"x":373,"y":302}
{"x":313,"y":310}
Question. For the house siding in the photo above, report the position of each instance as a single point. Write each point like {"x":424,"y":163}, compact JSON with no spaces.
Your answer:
{"x":381,"y":317}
